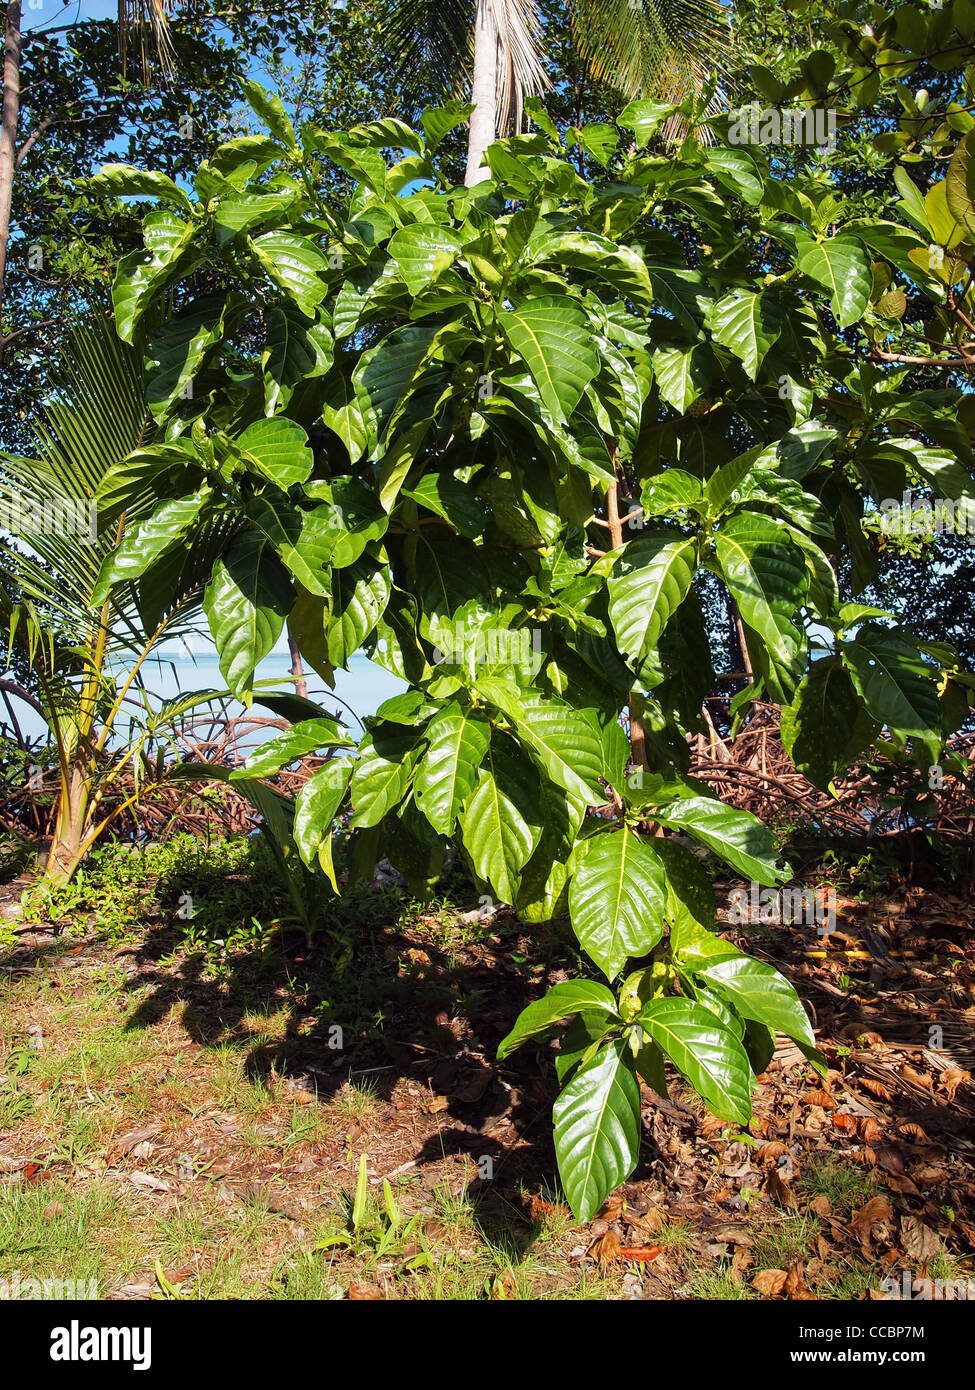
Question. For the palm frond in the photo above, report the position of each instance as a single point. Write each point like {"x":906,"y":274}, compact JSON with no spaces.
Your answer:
{"x":520,"y":70}
{"x":95,"y":417}
{"x":429,"y":40}
{"x":665,"y":49}
{"x":144,"y":24}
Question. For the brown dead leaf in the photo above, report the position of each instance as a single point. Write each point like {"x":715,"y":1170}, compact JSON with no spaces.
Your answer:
{"x":795,"y":1284}
{"x":504,"y":1286}
{"x":125,"y":1143}
{"x":891,"y":1158}
{"x":606,"y":1249}
{"x":913,"y":1131}
{"x":876,"y":1088}
{"x":741,"y":1261}
{"x":874,"y":1213}
{"x":779,"y":1190}
{"x":770,"y":1282}
{"x":642,"y":1253}
{"x":611,"y":1210}
{"x":921,"y":1243}
{"x":820,"y":1098}
{"x":951,"y":1078}
{"x":870,"y":1130}
{"x":847,"y":1123}
{"x":772,"y":1152}
{"x":362,"y":1293}
{"x":820,"y":1205}
{"x":542,"y":1210}
{"x":901,"y":1184}
{"x":917,"y":1077}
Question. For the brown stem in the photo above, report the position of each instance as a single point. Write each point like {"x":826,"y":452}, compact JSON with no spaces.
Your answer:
{"x":297,"y":670}
{"x":638,"y":741}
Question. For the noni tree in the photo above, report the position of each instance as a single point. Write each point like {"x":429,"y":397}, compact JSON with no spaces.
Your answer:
{"x":491,"y":436}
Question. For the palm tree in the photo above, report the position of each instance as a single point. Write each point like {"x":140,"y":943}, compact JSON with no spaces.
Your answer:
{"x":659,"y":48}
{"x":89,"y":655}
{"x":494,"y":49}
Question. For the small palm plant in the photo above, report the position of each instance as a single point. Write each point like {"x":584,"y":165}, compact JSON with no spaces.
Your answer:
{"x":88,"y":651}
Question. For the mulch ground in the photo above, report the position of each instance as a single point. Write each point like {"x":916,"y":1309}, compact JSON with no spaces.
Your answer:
{"x":835,"y":1186}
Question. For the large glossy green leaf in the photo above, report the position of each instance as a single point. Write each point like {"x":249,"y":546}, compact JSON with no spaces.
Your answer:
{"x":826,"y":725}
{"x":296,"y":266}
{"x":898,"y":687}
{"x":960,"y":185}
{"x":304,"y":540}
{"x":144,"y":542}
{"x":270,"y":109}
{"x":359,"y":598}
{"x":572,"y":997}
{"x":842,"y":266}
{"x":382,"y":775}
{"x":178,"y":349}
{"x":707,"y":1055}
{"x":126,"y":181}
{"x":501,"y":821}
{"x":457,"y":742}
{"x":682,"y":373}
{"x":564,"y":742}
{"x":170,"y":251}
{"x":423,"y":252}
{"x":296,"y":349}
{"x":553,"y":338}
{"x":316,"y":807}
{"x":246,"y":603}
{"x":747,"y":324}
{"x":616,"y":265}
{"x":767,"y":575}
{"x":438,"y":121}
{"x":278,"y":450}
{"x":306,"y":736}
{"x":649,"y":582}
{"x":735,"y":836}
{"x":386,"y":374}
{"x":597,"y":1129}
{"x":759,"y":992}
{"x":736,"y":170}
{"x":617,"y":899}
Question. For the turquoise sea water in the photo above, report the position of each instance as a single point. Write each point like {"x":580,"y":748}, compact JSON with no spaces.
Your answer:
{"x":358,"y":692}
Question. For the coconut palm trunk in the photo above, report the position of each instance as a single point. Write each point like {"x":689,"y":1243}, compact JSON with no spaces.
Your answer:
{"x":484,"y":93}
{"x":8,"y":127}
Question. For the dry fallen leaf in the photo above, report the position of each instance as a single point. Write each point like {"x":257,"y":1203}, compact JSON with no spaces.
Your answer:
{"x":780,"y":1191}
{"x":953,"y":1077}
{"x":642,"y":1253}
{"x":362,"y":1293}
{"x":913,"y":1131}
{"x":920,"y":1242}
{"x":605,"y":1249}
{"x":770,"y":1282}
{"x":876,"y":1088}
{"x":874,"y":1213}
{"x":820,"y":1205}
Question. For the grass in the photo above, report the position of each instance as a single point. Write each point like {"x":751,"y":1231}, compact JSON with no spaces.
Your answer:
{"x":214,"y":1032}
{"x":188,"y":1032}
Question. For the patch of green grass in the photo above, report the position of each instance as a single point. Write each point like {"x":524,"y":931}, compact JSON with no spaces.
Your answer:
{"x":717,"y":1286}
{"x":355,"y":1103}
{"x":782,"y":1243}
{"x":847,"y":1185}
{"x":52,"y":1230}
